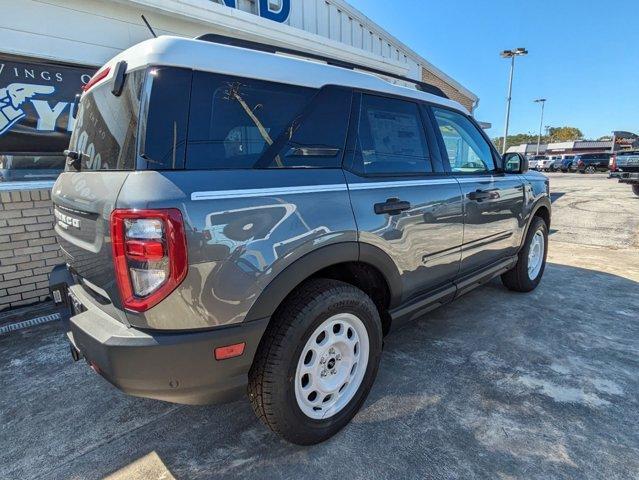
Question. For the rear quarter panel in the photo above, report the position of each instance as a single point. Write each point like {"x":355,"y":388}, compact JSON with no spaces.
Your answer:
{"x":241,"y":233}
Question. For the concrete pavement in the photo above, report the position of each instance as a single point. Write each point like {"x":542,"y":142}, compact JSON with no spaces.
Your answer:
{"x":496,"y":385}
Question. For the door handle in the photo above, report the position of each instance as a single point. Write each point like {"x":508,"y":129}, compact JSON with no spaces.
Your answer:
{"x":391,"y":206}
{"x":480,"y":195}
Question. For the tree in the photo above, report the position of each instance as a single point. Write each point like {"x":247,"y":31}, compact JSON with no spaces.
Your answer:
{"x":564,"y":134}
{"x":517,"y":139}
{"x":555,"y":134}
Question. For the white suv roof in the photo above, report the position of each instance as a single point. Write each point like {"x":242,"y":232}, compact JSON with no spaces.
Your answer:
{"x":230,"y":60}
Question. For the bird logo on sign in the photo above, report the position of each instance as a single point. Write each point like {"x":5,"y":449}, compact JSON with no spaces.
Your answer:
{"x":11,"y":99}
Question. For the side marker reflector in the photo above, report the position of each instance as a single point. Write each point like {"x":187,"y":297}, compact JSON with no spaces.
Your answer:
{"x":229,"y":351}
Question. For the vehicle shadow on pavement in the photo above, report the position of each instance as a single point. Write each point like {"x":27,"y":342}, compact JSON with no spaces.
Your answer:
{"x":495,"y":384}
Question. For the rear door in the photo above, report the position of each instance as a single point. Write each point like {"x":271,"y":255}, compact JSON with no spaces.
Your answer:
{"x":493,"y":201}
{"x":404,"y":203}
{"x":105,"y":134}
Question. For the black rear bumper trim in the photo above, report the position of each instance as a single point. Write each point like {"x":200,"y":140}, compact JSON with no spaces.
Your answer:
{"x":175,"y":367}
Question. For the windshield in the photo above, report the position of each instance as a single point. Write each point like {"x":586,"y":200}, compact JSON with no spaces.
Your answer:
{"x":106,"y":127}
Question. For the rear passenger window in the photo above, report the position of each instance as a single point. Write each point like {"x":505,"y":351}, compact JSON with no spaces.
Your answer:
{"x":317,"y":136}
{"x":234,"y":120}
{"x":390,"y":138}
{"x":467,"y":149}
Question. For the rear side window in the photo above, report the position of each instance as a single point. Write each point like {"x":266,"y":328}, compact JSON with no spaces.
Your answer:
{"x":106,"y":126}
{"x":233,"y":121}
{"x":390,"y":138}
{"x":315,"y":139}
{"x":165,"y":117}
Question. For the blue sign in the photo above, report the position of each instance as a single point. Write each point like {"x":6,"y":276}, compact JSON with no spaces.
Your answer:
{"x":267,"y":9}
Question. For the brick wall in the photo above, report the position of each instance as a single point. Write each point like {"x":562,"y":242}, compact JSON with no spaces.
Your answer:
{"x":449,"y":90}
{"x":28,"y":248}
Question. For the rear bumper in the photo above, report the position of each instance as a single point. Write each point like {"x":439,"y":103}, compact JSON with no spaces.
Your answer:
{"x":175,"y":367}
{"x":629,"y":177}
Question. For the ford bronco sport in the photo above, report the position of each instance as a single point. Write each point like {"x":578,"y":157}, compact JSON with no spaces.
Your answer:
{"x":232,"y":217}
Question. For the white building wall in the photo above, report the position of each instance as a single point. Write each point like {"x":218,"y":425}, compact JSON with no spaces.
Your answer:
{"x":91,"y":31}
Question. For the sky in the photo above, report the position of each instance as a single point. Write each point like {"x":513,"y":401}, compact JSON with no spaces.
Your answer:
{"x":584,"y":56}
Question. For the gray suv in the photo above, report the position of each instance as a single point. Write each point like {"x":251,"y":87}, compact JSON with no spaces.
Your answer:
{"x":233,"y":217}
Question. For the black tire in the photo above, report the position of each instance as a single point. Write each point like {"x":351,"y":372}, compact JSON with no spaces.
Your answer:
{"x":271,"y":386}
{"x":517,"y":278}
{"x":635,"y":190}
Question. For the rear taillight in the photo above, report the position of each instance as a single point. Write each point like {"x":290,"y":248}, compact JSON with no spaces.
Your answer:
{"x":149,"y":254}
{"x":613,"y":163}
{"x":99,"y":75}
{"x":580,"y":163}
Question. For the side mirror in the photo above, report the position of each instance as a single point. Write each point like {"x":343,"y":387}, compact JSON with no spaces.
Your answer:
{"x":515,"y":163}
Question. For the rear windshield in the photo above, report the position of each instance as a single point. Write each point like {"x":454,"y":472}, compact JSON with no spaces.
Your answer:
{"x":106,"y":127}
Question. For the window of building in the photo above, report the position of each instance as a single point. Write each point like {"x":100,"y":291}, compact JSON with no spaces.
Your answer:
{"x":25,"y":167}
{"x":38,"y":110}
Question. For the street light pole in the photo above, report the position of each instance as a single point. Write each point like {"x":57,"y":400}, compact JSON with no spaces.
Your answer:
{"x":541,"y":121}
{"x":510,"y":54}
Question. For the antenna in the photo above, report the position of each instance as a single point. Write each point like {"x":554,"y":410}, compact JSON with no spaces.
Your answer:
{"x":148,"y":25}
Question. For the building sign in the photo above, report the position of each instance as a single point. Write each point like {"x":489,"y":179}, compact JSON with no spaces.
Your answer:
{"x":37,"y":105}
{"x":276,"y":10}
{"x":624,"y":140}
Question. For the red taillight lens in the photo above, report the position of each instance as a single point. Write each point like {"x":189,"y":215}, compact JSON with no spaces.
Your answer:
{"x":581,"y":163}
{"x":99,"y":75}
{"x":613,"y":163}
{"x":149,"y":250}
{"x":149,"y":255}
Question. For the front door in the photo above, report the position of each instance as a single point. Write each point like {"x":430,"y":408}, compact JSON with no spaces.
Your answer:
{"x":493,"y":201}
{"x":404,"y":202}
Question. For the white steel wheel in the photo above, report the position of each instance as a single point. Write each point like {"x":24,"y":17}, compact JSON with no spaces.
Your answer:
{"x":536,"y":254}
{"x":331,"y":366}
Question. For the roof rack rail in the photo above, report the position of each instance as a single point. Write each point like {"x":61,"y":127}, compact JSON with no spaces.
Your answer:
{"x":264,"y":47}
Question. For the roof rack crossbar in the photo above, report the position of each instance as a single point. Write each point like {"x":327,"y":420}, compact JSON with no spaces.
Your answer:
{"x":264,"y":47}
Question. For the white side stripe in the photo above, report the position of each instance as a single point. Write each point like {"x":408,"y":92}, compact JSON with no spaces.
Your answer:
{"x":405,"y":183}
{"x":338,"y":187}
{"x":487,"y":178}
{"x":266,"y":192}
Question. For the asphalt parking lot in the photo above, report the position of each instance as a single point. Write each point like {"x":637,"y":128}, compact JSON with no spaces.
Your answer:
{"x":496,"y":385}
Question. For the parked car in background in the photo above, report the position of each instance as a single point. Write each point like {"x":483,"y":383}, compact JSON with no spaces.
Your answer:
{"x":566,"y":163}
{"x":544,"y":164}
{"x":558,"y":164}
{"x":627,"y":164}
{"x":533,"y":161}
{"x":590,"y":162}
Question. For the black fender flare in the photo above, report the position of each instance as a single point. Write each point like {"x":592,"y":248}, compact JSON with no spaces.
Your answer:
{"x":304,"y":267}
{"x":541,"y":202}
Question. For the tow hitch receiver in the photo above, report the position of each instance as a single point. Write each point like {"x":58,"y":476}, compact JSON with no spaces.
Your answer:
{"x":75,"y":353}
